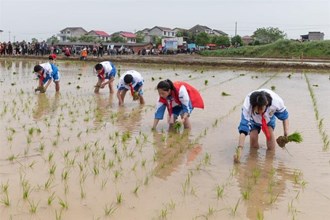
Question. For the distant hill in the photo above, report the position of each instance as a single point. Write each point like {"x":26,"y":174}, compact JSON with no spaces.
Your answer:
{"x":278,"y":49}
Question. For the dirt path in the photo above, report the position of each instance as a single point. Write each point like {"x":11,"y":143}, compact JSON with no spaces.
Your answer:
{"x":197,"y":60}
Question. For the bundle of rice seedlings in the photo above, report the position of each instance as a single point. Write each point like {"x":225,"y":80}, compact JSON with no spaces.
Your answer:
{"x":135,"y":96}
{"x":177,"y":126}
{"x":294,"y":137}
{"x":41,"y":89}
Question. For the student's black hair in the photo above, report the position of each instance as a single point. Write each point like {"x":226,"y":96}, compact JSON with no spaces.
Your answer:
{"x":260,"y":98}
{"x":98,"y":66}
{"x":166,"y":85}
{"x":37,"y":68}
{"x":128,"y":78}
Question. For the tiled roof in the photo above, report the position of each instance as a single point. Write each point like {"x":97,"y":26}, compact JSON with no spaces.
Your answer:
{"x":128,"y":34}
{"x":101,"y":33}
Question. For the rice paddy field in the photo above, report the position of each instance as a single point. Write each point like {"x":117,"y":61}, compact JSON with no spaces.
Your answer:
{"x":78,"y":155}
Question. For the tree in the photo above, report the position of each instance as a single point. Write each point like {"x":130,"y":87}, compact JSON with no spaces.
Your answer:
{"x":236,"y":41}
{"x":221,"y":41}
{"x":268,"y":35}
{"x":73,"y":39}
{"x":139,"y":37}
{"x":117,"y":39}
{"x":87,"y":38}
{"x":202,"y":39}
{"x":52,"y":40}
{"x":156,"y":40}
{"x":34,"y":40}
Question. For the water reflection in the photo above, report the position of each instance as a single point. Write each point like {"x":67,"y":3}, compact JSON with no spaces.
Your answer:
{"x":104,"y":105}
{"x":261,"y":183}
{"x":172,"y":150}
{"x":45,"y":105}
{"x":129,"y":118}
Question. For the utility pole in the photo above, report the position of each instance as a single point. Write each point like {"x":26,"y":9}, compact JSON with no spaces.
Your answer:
{"x":9,"y":35}
{"x":236,"y":28}
{"x":14,"y":38}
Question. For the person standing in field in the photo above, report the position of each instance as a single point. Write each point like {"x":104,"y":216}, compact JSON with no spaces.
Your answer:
{"x":106,"y":72}
{"x":179,"y":98}
{"x":133,"y":81}
{"x":46,"y":73}
{"x":259,"y":112}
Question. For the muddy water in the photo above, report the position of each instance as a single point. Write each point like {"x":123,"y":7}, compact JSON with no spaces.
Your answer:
{"x":77,"y":155}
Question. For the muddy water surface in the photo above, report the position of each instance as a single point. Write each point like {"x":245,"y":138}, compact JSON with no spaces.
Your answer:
{"x":77,"y":155}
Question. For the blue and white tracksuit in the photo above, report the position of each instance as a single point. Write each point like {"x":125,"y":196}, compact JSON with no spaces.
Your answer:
{"x":136,"y":83}
{"x":251,"y":121}
{"x":50,"y":71}
{"x":109,"y":69}
{"x":177,"y":108}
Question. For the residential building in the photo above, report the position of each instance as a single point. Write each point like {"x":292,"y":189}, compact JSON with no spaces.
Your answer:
{"x":99,"y":35}
{"x":312,"y":36}
{"x":201,"y":28}
{"x":128,"y":36}
{"x":69,"y":32}
{"x":247,"y":40}
{"x":160,"y":32}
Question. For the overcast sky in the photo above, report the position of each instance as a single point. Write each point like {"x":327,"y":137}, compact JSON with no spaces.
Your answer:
{"x":25,"y":19}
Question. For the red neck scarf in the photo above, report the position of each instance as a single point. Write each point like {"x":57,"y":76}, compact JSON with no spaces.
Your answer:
{"x":264,"y":127}
{"x":41,"y":77}
{"x":132,"y":89}
{"x":101,"y":75}
{"x":169,"y":106}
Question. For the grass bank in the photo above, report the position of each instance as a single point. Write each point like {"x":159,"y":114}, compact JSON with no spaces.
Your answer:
{"x":279,"y":49}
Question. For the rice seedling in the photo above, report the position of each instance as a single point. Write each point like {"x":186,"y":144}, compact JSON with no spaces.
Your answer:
{"x":256,"y":174}
{"x":12,"y":157}
{"x":260,"y":215}
{"x":103,"y":183}
{"x":4,"y":187}
{"x":273,"y":88}
{"x":51,"y":199}
{"x":33,"y":206}
{"x":26,"y":189}
{"x":225,"y":94}
{"x":116,"y":174}
{"x":220,"y":191}
{"x":207,"y":159}
{"x":65,"y":175}
{"x":146,"y":180}
{"x":234,"y":209}
{"x":163,"y":213}
{"x":64,"y":204}
{"x":5,"y":200}
{"x":50,"y":156}
{"x":109,"y":209}
{"x":294,"y":137}
{"x":246,"y":195}
{"x":119,"y":198}
{"x":82,"y":192}
{"x":273,"y":198}
{"x":143,"y":163}
{"x":52,"y":169}
{"x":177,"y":126}
{"x":48,"y":183}
{"x":206,"y":82}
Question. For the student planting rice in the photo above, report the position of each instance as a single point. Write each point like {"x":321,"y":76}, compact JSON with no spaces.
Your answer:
{"x":106,"y":72}
{"x":133,"y":81}
{"x":259,"y":112}
{"x":46,"y":73}
{"x":180,"y":99}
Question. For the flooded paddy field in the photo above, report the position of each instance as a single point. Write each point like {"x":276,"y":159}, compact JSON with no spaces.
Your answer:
{"x":78,"y":155}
